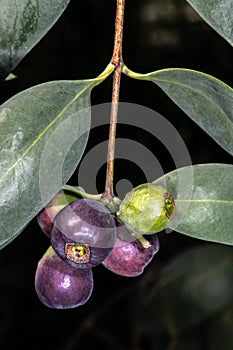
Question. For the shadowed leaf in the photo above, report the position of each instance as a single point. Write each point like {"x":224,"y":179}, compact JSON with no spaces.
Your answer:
{"x":188,"y":290}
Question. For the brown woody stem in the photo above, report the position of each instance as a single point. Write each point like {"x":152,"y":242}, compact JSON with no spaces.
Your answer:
{"x":117,"y":61}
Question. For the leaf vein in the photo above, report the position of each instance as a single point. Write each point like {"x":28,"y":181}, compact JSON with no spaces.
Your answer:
{"x":45,"y":130}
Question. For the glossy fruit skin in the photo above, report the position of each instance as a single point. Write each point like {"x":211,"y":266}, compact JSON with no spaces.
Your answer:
{"x":147,"y":209}
{"x":48,"y":213}
{"x":60,"y":286}
{"x":128,"y":257}
{"x":83,"y":233}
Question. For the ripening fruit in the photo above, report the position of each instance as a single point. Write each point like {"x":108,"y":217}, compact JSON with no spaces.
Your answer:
{"x":128,"y":257}
{"x":48,"y":213}
{"x":83,"y":233}
{"x":147,"y":209}
{"x":60,"y":286}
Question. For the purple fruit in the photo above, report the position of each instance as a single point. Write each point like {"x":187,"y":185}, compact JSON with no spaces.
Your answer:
{"x":46,"y":215}
{"x":45,"y":218}
{"x":60,"y":286}
{"x":83,"y":233}
{"x":128,"y":257}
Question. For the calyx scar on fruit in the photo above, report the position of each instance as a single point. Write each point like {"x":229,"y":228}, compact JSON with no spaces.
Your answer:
{"x":147,"y":209}
{"x":83,"y":233}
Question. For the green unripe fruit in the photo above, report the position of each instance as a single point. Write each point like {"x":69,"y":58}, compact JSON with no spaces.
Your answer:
{"x":147,"y":209}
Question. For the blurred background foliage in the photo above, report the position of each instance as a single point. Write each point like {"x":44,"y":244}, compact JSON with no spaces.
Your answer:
{"x":184,"y":298}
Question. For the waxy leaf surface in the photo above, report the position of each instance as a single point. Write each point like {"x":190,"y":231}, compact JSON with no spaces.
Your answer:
{"x":218,"y":14}
{"x":22,"y":24}
{"x":43,"y":134}
{"x":204,"y":201}
{"x":205,"y":99}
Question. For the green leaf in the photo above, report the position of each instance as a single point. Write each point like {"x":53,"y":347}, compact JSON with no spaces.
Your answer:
{"x":205,"y":99}
{"x":218,"y":14}
{"x":204,"y":201}
{"x":188,"y":291}
{"x":22,"y":24}
{"x":43,"y":133}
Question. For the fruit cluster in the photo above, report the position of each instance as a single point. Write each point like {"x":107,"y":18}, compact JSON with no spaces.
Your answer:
{"x":84,"y":233}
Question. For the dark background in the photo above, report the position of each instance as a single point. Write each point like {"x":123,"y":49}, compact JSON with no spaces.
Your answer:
{"x":157,"y":34}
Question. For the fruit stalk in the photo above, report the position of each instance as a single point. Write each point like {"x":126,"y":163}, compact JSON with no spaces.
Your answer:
{"x":117,"y":61}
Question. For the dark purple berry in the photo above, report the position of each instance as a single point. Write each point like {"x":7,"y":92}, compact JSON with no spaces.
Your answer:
{"x":129,"y":257}
{"x":48,"y":213}
{"x":60,"y":286}
{"x":83,"y":233}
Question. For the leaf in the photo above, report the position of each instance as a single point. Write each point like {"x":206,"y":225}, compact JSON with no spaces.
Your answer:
{"x":188,"y":291}
{"x":218,"y":14}
{"x":43,"y":133}
{"x":22,"y":24}
{"x":205,"y":99}
{"x":204,"y":201}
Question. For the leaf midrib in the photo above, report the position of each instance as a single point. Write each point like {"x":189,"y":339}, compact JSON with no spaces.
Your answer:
{"x":153,"y":77}
{"x":188,"y":87}
{"x":222,"y":201}
{"x":46,"y":129}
